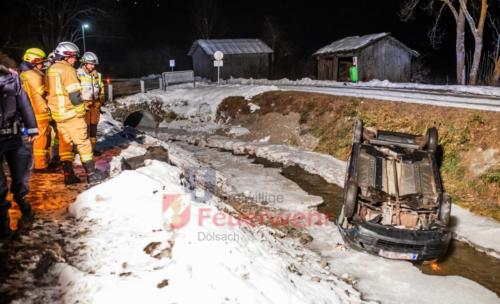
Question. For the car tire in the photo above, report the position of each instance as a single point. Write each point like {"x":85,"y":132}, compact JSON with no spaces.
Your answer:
{"x":432,"y":140}
{"x":357,"y":135}
{"x":350,"y":199}
{"x":445,"y":210}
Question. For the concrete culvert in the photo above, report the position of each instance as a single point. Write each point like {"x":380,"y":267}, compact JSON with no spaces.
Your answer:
{"x":140,"y":120}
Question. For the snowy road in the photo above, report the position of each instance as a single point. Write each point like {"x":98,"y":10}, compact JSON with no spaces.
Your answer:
{"x":469,"y":101}
{"x":470,"y":97}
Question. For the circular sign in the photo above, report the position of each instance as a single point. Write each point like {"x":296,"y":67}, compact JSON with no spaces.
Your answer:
{"x":218,"y":55}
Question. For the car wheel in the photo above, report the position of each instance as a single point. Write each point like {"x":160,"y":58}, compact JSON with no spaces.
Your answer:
{"x":357,"y":136}
{"x":350,"y":199}
{"x":432,"y":140}
{"x":445,"y":210}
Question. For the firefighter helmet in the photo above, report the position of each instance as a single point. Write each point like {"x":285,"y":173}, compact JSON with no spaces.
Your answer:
{"x":34,"y":55}
{"x":51,"y":56}
{"x":67,"y":49}
{"x":89,"y":57}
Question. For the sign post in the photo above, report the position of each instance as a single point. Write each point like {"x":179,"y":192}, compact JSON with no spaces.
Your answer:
{"x":172,"y":64}
{"x":218,"y":63}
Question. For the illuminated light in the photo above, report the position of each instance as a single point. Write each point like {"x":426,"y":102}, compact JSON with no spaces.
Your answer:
{"x":108,"y":80}
{"x":435,"y":266}
{"x":85,"y":25}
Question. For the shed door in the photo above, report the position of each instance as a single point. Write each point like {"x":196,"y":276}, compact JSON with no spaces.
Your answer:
{"x":345,"y":63}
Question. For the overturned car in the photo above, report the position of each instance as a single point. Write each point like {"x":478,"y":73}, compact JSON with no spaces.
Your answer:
{"x":394,"y":203}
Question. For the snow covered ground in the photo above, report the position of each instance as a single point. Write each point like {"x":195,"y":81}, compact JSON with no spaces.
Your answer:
{"x":482,"y":233}
{"x":480,"y":90}
{"x":169,"y":234}
{"x":131,"y":255}
{"x":195,"y":108}
{"x":180,"y":232}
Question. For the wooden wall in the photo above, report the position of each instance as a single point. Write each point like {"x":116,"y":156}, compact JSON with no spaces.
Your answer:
{"x":244,"y":65}
{"x":384,"y":59}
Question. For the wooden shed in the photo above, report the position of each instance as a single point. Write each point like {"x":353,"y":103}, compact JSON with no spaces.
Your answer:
{"x":246,"y":58}
{"x":379,"y":56}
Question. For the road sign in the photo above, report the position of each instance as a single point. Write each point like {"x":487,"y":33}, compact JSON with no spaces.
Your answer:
{"x":218,"y":63}
{"x":172,"y":63}
{"x":218,"y":55}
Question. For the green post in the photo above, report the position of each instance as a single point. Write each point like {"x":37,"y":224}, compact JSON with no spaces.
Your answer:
{"x":353,"y":73}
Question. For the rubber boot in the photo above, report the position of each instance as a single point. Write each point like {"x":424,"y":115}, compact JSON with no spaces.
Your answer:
{"x":5,"y":231}
{"x":70,"y":177}
{"x":94,"y":176}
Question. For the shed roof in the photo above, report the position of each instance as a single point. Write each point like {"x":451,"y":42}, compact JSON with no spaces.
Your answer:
{"x":354,"y":43}
{"x":231,"y":46}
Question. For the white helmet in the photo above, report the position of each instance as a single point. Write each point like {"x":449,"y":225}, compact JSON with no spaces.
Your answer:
{"x":67,"y":49}
{"x":89,"y":57}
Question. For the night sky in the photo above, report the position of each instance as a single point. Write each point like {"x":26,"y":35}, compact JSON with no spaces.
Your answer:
{"x":140,"y":36}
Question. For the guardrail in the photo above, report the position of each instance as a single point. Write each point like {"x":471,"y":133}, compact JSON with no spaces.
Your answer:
{"x":127,"y":86}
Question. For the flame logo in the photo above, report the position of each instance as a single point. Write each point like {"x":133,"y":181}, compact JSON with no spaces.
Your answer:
{"x":173,"y":216}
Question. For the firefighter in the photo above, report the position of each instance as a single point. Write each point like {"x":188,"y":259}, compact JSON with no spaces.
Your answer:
{"x":68,"y":109}
{"x":33,"y":81}
{"x":16,"y":111}
{"x":92,"y":92}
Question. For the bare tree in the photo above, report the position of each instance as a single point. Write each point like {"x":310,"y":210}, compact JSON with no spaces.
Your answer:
{"x":408,"y":10}
{"x":60,"y":20}
{"x":495,"y":25}
{"x":477,"y":29}
{"x":207,"y":18}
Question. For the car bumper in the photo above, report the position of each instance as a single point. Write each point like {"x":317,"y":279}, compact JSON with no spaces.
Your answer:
{"x":397,"y":243}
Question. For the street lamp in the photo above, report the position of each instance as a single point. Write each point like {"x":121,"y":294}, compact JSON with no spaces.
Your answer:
{"x":84,"y":26}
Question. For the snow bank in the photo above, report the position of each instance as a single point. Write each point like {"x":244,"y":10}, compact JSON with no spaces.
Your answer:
{"x":480,"y":232}
{"x":130,"y":257}
{"x":195,"y":108}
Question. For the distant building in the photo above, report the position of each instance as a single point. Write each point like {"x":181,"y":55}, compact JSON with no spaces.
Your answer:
{"x":247,"y":58}
{"x":380,"y":56}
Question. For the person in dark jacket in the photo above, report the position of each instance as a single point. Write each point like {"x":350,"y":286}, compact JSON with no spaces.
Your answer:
{"x":15,"y":112}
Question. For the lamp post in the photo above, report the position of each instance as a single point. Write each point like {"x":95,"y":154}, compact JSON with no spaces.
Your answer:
{"x":84,"y":26}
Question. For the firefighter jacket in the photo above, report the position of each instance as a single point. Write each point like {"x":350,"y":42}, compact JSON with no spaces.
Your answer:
{"x":14,"y":105}
{"x":64,"y":92}
{"x":34,"y":84}
{"x":92,"y":85}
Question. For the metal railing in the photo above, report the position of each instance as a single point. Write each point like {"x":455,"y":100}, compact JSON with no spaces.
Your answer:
{"x":119,"y":87}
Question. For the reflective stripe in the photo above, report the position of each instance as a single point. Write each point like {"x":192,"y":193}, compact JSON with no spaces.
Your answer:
{"x":74,"y":87}
{"x":40,"y":90}
{"x":80,"y":108}
{"x":64,"y":115}
{"x":59,"y":93}
{"x":86,"y":157}
{"x":66,"y":156}
{"x":41,"y":117}
{"x":32,"y":131}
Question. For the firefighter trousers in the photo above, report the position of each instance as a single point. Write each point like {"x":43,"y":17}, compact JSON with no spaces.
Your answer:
{"x":74,"y":131}
{"x":92,"y":117}
{"x":42,"y":142}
